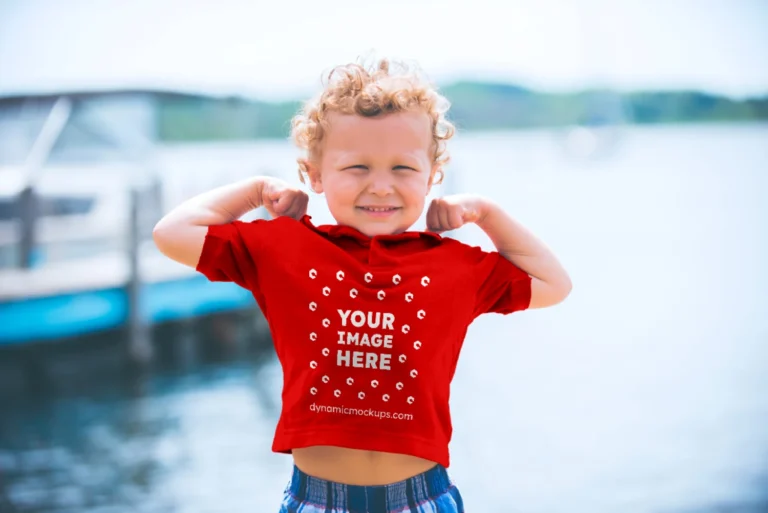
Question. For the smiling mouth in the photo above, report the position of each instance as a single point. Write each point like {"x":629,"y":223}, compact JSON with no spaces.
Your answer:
{"x":381,"y":210}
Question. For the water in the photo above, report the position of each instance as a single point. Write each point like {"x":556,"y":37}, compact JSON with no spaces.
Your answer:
{"x":644,"y":392}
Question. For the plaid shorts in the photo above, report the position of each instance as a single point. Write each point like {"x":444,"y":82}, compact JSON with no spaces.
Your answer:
{"x":431,"y":491}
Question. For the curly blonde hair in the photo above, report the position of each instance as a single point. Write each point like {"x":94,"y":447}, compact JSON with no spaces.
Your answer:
{"x":385,"y":87}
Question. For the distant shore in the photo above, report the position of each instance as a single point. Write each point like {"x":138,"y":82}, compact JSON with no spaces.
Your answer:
{"x":475,"y":106}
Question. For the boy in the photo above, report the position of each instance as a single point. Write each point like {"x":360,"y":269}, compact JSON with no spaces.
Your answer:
{"x":367,"y":317}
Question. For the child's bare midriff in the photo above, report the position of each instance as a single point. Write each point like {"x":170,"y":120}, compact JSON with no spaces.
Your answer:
{"x":356,"y":467}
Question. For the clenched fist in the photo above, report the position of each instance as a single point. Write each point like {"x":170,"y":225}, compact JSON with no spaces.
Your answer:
{"x":452,"y":212}
{"x":281,"y":199}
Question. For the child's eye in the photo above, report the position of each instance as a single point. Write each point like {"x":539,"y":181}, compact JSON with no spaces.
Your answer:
{"x":405,"y":167}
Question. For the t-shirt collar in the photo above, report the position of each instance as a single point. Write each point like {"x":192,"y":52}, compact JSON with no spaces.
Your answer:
{"x":339,"y":231}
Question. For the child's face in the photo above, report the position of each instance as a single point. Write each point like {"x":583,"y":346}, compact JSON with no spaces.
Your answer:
{"x":375,"y":172}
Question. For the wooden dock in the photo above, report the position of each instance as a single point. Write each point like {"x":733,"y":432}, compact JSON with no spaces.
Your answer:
{"x":67,"y":299}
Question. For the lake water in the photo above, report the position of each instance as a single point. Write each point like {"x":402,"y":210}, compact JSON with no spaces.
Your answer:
{"x":646,"y":391}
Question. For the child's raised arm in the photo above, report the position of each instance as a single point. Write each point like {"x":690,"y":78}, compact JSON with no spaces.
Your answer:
{"x":550,"y":283}
{"x":180,"y":234}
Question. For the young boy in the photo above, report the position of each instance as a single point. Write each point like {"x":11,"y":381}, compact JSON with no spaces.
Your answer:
{"x":367,"y":318}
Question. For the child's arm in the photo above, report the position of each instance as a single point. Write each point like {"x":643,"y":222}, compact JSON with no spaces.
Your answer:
{"x":550,"y":283}
{"x":180,"y":234}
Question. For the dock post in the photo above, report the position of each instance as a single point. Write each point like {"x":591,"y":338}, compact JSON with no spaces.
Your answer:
{"x":27,"y":206}
{"x":140,"y":349}
{"x":27,"y":202}
{"x":187,"y":343}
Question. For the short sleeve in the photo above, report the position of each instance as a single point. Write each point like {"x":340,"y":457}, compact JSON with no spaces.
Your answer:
{"x":501,"y":286}
{"x":230,"y":252}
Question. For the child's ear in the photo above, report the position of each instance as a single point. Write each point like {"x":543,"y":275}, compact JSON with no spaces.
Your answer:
{"x":435,"y":177}
{"x":315,"y":179}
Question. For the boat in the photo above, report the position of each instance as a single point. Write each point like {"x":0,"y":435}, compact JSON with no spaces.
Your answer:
{"x":79,"y":195}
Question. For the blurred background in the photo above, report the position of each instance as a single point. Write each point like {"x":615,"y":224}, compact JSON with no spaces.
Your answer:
{"x":630,"y":136}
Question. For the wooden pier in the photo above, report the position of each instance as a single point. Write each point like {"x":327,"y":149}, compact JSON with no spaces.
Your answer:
{"x":75,"y":298}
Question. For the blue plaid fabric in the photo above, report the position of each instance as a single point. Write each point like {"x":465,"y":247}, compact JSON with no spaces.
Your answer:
{"x":432,"y":491}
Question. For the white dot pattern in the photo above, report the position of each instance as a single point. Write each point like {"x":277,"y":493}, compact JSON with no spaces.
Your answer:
{"x":381,"y":295}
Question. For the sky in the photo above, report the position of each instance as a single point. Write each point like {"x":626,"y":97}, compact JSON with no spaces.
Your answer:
{"x":275,"y":50}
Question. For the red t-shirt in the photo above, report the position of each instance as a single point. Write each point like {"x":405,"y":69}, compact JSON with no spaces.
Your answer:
{"x":367,"y":329}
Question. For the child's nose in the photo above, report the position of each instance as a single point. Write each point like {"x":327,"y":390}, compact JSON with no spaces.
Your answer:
{"x":380,"y":184}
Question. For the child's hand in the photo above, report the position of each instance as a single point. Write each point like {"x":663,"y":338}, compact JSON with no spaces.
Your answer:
{"x":280,"y":199}
{"x":452,"y":212}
